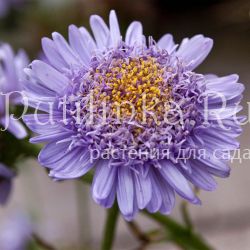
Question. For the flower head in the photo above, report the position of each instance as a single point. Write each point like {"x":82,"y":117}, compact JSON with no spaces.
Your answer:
{"x":135,"y":111}
{"x":11,"y":75}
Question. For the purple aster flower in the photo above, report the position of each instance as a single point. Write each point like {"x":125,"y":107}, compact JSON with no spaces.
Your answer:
{"x":109,"y":102}
{"x":15,"y":232}
{"x":11,"y":75}
{"x":6,"y":176}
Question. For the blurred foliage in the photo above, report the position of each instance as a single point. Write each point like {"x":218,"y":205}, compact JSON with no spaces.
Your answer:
{"x":12,"y":149}
{"x":24,"y":27}
{"x":185,"y":5}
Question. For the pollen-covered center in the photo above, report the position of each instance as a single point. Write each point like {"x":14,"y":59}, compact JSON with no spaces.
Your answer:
{"x":132,"y":88}
{"x":134,"y":99}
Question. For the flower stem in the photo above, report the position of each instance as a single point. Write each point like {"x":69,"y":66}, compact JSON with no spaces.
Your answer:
{"x":185,"y":215}
{"x":42,"y":243}
{"x":110,"y":226}
{"x":137,"y":232}
{"x":182,"y":236}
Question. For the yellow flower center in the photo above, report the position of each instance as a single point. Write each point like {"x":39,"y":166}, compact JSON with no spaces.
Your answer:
{"x":133,"y":87}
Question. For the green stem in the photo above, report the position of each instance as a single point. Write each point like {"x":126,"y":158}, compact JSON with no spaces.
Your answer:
{"x":137,"y":232}
{"x":41,"y":243}
{"x":182,"y":236}
{"x":185,"y":215}
{"x":83,"y":215}
{"x":110,"y":226}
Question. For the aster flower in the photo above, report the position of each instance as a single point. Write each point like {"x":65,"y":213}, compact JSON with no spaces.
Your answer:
{"x":11,"y":75}
{"x":86,"y":80}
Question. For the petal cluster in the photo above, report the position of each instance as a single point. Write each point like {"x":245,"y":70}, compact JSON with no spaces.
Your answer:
{"x":11,"y":76}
